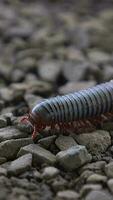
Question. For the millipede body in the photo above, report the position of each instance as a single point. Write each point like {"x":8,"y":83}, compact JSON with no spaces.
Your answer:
{"x":73,"y":109}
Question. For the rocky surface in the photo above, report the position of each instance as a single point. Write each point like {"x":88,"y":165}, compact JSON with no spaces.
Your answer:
{"x":50,"y":48}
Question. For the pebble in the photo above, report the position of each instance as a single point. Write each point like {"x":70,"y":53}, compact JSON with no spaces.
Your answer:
{"x":96,"y":142}
{"x":3,"y":122}
{"x":75,"y":86}
{"x":3,"y":171}
{"x":11,"y":133}
{"x":97,"y":178}
{"x":99,"y":57}
{"x":47,"y":141}
{"x":67,"y":195}
{"x":94,"y":166}
{"x":50,"y":172}
{"x":40,"y":155}
{"x":10,"y":148}
{"x":65,"y":142}
{"x":88,"y":188}
{"x":59,"y":184}
{"x":73,"y":157}
{"x":2,"y":160}
{"x":49,"y":70}
{"x":101,"y":195}
{"x":20,"y":165}
{"x":109,"y":169}
{"x":110,"y":185}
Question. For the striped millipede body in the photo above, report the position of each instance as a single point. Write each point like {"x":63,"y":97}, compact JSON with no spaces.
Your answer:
{"x":82,"y":108}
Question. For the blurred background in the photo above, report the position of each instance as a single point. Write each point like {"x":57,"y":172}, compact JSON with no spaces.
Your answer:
{"x":54,"y":47}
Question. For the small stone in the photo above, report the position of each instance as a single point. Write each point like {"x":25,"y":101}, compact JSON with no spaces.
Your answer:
{"x":11,"y":133}
{"x":40,"y":155}
{"x":96,"y":142}
{"x":99,"y":57}
{"x":59,"y":184}
{"x":10,"y":148}
{"x":101,"y":195}
{"x":3,"y":171}
{"x":32,"y":100}
{"x":2,"y":160}
{"x":94,"y":166}
{"x":110,"y":184}
{"x":75,"y":86}
{"x":3,"y":122}
{"x":73,"y":157}
{"x":88,"y":188}
{"x":65,"y":142}
{"x":47,"y":141}
{"x":50,"y":172}
{"x":67,"y":195}
{"x":96,"y":178}
{"x":109,"y":170}
{"x":49,"y":70}
{"x":20,"y":165}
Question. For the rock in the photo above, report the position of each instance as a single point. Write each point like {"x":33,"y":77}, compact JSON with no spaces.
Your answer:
{"x":99,"y":57}
{"x":11,"y":133}
{"x":32,"y":100}
{"x":10,"y":148}
{"x":47,"y":141}
{"x":2,"y":160}
{"x":110,"y":185}
{"x":96,"y":142}
{"x":59,"y":184}
{"x":65,"y":142}
{"x":88,"y":188}
{"x":50,"y":172}
{"x":73,"y":157}
{"x":3,"y":122}
{"x":97,"y":178}
{"x":94,"y":166}
{"x":3,"y":171}
{"x":107,"y":72}
{"x":75,"y":71}
{"x":67,"y":195}
{"x":101,"y":195}
{"x":20,"y":165}
{"x":75,"y":86}
{"x":49,"y":70}
{"x":109,"y":170}
{"x":40,"y":155}
{"x":17,"y":75}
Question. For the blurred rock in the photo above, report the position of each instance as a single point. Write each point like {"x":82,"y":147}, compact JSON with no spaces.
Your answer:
{"x":65,"y":142}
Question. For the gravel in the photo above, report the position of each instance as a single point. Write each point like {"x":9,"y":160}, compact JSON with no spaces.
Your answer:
{"x":73,"y":157}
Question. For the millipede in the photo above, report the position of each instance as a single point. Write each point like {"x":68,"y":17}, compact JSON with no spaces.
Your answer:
{"x":85,"y":108}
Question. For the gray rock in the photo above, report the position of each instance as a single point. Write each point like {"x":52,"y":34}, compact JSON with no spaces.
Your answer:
{"x":75,"y":71}
{"x":94,"y":166}
{"x":99,"y":57}
{"x":67,"y":195}
{"x":49,"y":70}
{"x":75,"y":86}
{"x":3,"y":171}
{"x":96,"y":142}
{"x":73,"y":157}
{"x":3,"y":122}
{"x":88,"y":188}
{"x":59,"y":184}
{"x":2,"y":160}
{"x":110,"y":185}
{"x":97,"y":178}
{"x":109,"y":170}
{"x":40,"y":155}
{"x":20,"y":165}
{"x":47,"y":141}
{"x":101,"y":195}
{"x":65,"y":142}
{"x":50,"y":172}
{"x":10,"y":148}
{"x":32,"y":100}
{"x":11,"y":133}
